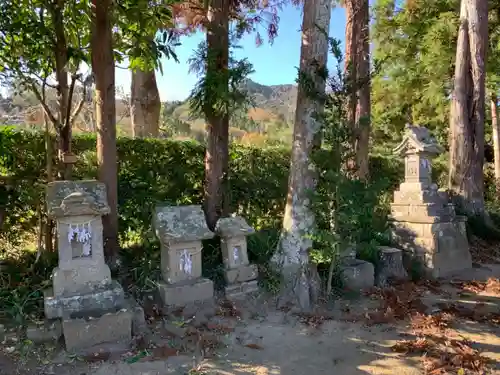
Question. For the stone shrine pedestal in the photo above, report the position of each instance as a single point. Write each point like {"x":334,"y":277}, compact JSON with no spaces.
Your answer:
{"x":83,"y":294}
{"x":239,"y":273}
{"x":423,"y":221}
{"x":180,"y":230}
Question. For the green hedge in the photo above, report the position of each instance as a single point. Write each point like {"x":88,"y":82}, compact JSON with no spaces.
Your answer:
{"x":153,"y":171}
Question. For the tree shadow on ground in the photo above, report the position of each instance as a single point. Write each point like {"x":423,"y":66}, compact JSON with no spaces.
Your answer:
{"x":355,"y":348}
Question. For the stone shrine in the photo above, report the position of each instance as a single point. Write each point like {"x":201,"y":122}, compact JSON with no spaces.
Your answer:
{"x":239,"y":273}
{"x":423,"y":220}
{"x":83,"y":294}
{"x":180,"y":230}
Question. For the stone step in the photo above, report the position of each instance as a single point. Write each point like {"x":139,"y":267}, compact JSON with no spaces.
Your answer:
{"x":84,"y":333}
{"x":105,"y":299}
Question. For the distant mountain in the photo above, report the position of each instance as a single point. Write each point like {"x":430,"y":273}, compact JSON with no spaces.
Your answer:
{"x":277,"y":99}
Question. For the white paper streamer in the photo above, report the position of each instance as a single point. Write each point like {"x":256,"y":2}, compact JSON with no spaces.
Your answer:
{"x":81,"y":233}
{"x":186,"y":264}
{"x":236,"y":255}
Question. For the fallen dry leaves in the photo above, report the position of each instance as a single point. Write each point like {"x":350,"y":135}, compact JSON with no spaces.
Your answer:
{"x":441,"y":356}
{"x":228,"y":309}
{"x":479,"y":313}
{"x":431,"y":324}
{"x":314,"y":320}
{"x":397,"y":303}
{"x":491,"y":286}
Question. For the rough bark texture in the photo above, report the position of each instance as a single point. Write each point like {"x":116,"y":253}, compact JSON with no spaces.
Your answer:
{"x":468,"y":108}
{"x":217,"y":154}
{"x":103,"y":68}
{"x":357,"y":71}
{"x":350,"y":62}
{"x":61,"y":53}
{"x":363,"y":95}
{"x":145,"y":104}
{"x":496,"y":139}
{"x":301,"y":282}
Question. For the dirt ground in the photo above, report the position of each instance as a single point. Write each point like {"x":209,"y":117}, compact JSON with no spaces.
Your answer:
{"x":450,"y":327}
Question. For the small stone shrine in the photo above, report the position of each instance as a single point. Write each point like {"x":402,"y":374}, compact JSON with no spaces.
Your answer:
{"x":90,"y":304}
{"x":239,"y":273}
{"x":424,"y":222}
{"x":180,"y":230}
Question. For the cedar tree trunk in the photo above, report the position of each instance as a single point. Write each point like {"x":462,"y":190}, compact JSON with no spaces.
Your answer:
{"x":496,"y":140}
{"x":145,"y":104}
{"x":103,"y":68}
{"x":357,"y":71}
{"x":468,"y":109}
{"x":217,"y":153}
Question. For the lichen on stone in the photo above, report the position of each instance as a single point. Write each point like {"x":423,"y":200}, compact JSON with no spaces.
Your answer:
{"x":174,"y":224}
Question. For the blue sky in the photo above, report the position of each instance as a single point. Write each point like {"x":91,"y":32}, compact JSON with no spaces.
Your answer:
{"x":273,"y":64}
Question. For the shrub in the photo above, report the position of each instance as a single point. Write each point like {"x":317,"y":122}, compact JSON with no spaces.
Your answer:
{"x":155,"y":171}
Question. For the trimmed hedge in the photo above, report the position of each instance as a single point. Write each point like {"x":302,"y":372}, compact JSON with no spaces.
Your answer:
{"x":153,"y":171}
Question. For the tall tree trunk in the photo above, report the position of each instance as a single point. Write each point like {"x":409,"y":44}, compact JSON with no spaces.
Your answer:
{"x":217,"y":154}
{"x":363,"y":88}
{"x":63,"y":129}
{"x":357,"y":71}
{"x":145,"y":104}
{"x":350,"y":66}
{"x":300,"y":277}
{"x":468,"y":108}
{"x":103,"y":68}
{"x":496,"y":140}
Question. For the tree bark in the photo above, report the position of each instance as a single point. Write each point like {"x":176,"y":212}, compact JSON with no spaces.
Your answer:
{"x":103,"y":68}
{"x":61,"y":59}
{"x":217,"y":153}
{"x":363,"y":88}
{"x":350,"y":64}
{"x":145,"y":104}
{"x":300,"y":277}
{"x":357,"y":73}
{"x":496,"y":140}
{"x":468,"y":109}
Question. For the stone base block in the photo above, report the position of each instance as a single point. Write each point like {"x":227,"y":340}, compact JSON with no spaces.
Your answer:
{"x":99,"y":301}
{"x":391,"y":266}
{"x":80,"y":280}
{"x":240,"y":290}
{"x":85,"y":333}
{"x":186,"y":292}
{"x":357,"y":274}
{"x":440,"y":249}
{"x":44,"y":332}
{"x":241,"y":274}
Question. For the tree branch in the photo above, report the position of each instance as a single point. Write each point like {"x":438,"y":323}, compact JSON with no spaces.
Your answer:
{"x":70,"y":100}
{"x":79,"y":106}
{"x":45,"y":107}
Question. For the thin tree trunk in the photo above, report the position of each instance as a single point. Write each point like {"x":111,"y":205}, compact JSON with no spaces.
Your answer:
{"x":145,"y":104}
{"x":496,"y":140}
{"x":363,"y":88}
{"x":61,"y":53}
{"x":103,"y":68}
{"x":300,"y":277}
{"x":468,"y":109}
{"x":48,"y":226}
{"x":217,"y":154}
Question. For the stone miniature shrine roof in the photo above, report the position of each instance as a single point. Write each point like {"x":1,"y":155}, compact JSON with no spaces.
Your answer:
{"x":418,"y":139}
{"x":76,"y":198}
{"x":173,"y":224}
{"x":233,"y":227}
